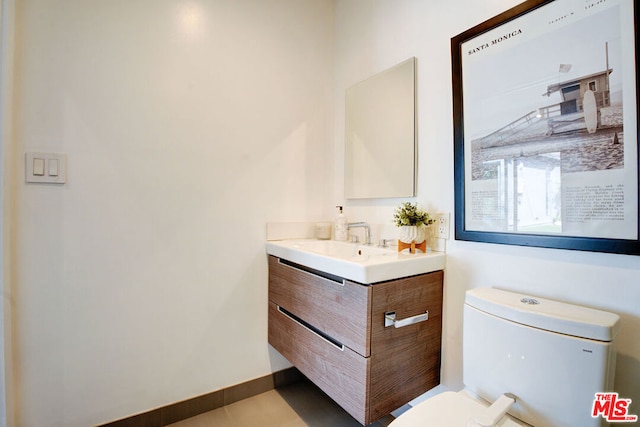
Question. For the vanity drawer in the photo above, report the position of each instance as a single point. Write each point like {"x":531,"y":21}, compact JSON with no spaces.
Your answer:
{"x":405,"y":361}
{"x":339,"y":308}
{"x":340,"y":372}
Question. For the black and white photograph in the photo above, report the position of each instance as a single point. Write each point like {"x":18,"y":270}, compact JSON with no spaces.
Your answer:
{"x":546,"y":100}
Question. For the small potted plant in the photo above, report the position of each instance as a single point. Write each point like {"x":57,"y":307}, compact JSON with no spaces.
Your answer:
{"x":412,"y":223}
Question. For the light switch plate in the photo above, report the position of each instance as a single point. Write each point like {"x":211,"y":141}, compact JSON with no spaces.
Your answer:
{"x":51,"y":174}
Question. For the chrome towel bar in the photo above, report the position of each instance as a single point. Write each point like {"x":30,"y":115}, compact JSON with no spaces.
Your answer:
{"x":390,"y":319}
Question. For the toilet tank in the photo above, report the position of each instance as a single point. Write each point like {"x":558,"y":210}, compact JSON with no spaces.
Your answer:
{"x":554,"y":357}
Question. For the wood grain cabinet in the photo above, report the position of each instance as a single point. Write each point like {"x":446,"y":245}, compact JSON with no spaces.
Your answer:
{"x":333,"y":330}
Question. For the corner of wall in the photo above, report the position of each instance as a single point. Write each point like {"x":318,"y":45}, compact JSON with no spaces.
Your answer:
{"x":6,"y":74}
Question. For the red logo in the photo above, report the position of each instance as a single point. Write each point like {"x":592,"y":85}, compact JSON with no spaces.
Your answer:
{"x":612,"y":408}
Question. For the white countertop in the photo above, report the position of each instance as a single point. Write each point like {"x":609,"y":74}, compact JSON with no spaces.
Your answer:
{"x":359,"y":263}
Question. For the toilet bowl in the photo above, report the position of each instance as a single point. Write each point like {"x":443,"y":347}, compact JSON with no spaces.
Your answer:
{"x":527,"y":361}
{"x":451,"y":409}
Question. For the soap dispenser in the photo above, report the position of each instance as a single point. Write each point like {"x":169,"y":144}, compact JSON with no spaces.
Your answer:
{"x":340,"y":227}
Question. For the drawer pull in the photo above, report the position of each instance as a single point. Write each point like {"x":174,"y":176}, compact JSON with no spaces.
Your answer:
{"x":310,"y":328}
{"x":337,"y":279}
{"x":390,"y":319}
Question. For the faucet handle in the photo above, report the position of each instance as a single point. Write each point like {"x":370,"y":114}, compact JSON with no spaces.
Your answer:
{"x":383,"y":243}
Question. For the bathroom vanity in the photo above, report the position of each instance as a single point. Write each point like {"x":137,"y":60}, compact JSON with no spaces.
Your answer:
{"x":372,"y":347}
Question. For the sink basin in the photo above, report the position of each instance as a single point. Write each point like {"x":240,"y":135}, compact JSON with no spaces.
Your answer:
{"x":359,"y":263}
{"x":346,"y":251}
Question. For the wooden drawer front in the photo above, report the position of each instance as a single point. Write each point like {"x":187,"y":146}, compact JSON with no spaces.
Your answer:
{"x":405,"y":361}
{"x":339,"y":309}
{"x":341,"y":373}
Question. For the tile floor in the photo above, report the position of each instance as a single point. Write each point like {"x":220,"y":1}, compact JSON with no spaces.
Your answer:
{"x":297,"y":405}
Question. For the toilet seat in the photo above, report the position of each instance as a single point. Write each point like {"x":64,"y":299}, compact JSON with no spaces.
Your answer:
{"x":451,"y":409}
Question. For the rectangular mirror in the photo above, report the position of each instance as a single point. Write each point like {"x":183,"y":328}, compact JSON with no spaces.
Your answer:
{"x":380,"y":135}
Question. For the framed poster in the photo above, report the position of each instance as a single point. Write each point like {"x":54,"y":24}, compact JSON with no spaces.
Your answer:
{"x":546,"y":127}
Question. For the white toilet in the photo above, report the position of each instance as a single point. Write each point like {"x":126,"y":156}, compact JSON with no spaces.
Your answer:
{"x":526,"y":361}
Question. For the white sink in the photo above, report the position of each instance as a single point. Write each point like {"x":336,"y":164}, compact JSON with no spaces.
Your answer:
{"x":359,"y":263}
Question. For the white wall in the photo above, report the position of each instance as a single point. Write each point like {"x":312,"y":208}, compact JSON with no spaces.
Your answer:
{"x":372,"y":35}
{"x":188,"y":124}
{"x":6,"y":71}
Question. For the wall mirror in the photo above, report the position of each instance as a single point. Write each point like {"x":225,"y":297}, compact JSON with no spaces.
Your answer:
{"x":380,"y":138}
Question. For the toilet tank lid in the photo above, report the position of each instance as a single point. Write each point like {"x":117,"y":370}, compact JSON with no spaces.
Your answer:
{"x":545,"y":314}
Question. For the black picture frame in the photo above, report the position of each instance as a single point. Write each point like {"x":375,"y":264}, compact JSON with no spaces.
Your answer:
{"x":470,"y":214}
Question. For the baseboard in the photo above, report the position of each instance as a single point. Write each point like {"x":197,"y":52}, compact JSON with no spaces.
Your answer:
{"x":178,"y":411}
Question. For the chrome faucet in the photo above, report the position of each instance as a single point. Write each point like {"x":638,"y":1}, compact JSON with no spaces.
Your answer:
{"x":367,"y":230}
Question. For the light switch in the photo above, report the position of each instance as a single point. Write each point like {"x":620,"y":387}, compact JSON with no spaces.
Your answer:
{"x":38,"y":167}
{"x":53,"y":167}
{"x":46,"y":168}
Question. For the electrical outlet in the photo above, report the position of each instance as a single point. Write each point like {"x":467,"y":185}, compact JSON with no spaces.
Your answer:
{"x":442,"y":225}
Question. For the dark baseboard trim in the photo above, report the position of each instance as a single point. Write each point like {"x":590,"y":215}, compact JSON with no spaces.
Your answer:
{"x":178,"y":411}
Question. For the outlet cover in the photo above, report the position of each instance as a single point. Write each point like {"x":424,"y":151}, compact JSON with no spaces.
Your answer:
{"x":442,"y":225}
